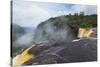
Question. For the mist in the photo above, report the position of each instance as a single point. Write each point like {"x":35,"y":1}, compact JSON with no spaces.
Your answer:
{"x":27,"y":38}
{"x":49,"y":31}
{"x":23,"y":41}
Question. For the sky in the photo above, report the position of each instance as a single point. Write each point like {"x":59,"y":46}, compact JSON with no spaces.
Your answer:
{"x":30,"y":13}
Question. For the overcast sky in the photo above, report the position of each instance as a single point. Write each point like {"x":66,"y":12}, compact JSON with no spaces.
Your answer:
{"x":30,"y":13}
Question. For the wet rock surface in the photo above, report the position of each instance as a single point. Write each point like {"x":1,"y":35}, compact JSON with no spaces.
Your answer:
{"x":65,"y":52}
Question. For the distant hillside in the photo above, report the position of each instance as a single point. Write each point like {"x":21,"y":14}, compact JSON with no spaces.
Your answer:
{"x":17,"y":31}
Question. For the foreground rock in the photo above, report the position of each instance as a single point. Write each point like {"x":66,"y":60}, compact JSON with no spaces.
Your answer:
{"x":64,"y":52}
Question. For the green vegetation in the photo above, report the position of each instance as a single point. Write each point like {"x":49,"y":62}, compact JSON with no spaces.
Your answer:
{"x":82,"y":20}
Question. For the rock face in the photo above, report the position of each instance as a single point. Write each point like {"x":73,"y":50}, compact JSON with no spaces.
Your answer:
{"x":65,"y":52}
{"x":54,"y":29}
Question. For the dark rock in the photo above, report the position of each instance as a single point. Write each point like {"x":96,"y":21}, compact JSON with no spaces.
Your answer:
{"x":65,"y":52}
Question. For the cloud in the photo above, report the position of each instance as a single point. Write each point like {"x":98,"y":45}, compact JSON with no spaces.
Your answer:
{"x":87,"y":9}
{"x":28,"y":13}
